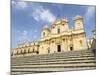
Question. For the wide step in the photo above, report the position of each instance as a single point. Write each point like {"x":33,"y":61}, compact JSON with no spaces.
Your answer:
{"x":68,"y":61}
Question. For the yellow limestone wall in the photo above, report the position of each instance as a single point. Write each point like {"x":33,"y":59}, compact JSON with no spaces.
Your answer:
{"x":66,"y":38}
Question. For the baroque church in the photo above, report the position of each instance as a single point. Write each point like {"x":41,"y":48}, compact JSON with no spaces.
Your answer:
{"x":57,"y":39}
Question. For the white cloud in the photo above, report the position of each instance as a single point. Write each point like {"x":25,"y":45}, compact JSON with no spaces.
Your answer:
{"x":19,"y":4}
{"x":43,"y":14}
{"x":89,"y":13}
{"x":25,"y":32}
{"x":38,"y":13}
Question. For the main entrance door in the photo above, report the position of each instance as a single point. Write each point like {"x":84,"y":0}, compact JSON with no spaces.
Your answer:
{"x":59,"y":48}
{"x":71,"y":48}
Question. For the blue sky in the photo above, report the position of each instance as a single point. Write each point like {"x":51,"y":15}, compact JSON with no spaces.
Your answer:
{"x":28,"y":18}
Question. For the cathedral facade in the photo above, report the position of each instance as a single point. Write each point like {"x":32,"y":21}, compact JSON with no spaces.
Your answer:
{"x":58,"y":38}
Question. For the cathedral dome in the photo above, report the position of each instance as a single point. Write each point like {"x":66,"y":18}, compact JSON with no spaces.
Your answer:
{"x":64,"y":19}
{"x":46,"y":28}
{"x":59,"y":21}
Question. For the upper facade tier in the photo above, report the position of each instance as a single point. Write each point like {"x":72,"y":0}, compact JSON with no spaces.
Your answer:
{"x":62,"y":25}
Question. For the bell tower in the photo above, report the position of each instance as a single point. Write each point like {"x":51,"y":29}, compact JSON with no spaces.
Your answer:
{"x":78,"y":22}
{"x":45,"y":31}
{"x":64,"y":23}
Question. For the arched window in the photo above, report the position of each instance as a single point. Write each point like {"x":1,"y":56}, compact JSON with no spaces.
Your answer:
{"x":58,"y":31}
{"x":24,"y":51}
{"x":81,"y":43}
{"x":37,"y":52}
{"x":17,"y":52}
{"x":21,"y":52}
{"x":12,"y":54}
{"x":33,"y":49}
{"x":63,"y":24}
{"x":43,"y":34}
{"x":53,"y":27}
{"x":48,"y":50}
{"x":28,"y":50}
{"x":63,"y":39}
{"x":52,"y":41}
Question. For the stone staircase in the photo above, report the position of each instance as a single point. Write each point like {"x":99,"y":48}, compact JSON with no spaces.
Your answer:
{"x":66,"y":61}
